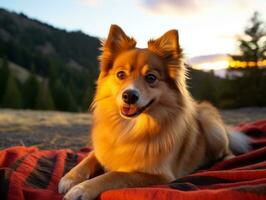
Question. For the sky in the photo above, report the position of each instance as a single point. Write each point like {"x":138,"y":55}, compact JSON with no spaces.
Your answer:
{"x":205,"y":26}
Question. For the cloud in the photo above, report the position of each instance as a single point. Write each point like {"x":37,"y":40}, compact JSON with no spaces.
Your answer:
{"x":177,"y":6}
{"x":207,"y":58}
{"x":91,"y":2}
{"x":192,"y":7}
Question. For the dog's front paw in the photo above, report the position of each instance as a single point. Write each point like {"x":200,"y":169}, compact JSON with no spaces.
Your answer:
{"x":81,"y":191}
{"x":66,"y":183}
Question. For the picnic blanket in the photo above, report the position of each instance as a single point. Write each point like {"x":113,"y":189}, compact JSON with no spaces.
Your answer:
{"x":29,"y":173}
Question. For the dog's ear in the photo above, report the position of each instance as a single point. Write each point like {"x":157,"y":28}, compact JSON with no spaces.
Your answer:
{"x":168,"y":49}
{"x":116,"y":42}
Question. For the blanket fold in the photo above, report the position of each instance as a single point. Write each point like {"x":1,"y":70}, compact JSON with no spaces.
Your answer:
{"x":28,"y":173}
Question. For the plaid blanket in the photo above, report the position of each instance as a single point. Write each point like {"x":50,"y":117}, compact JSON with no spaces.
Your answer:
{"x":30,"y":173}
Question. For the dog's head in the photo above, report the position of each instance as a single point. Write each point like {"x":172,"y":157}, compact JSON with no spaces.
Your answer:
{"x":137,"y":81}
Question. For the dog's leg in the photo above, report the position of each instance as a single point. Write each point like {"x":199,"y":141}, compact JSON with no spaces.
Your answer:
{"x":229,"y":156}
{"x":217,"y":140}
{"x":215,"y":132}
{"x":90,"y":189}
{"x":84,"y":170}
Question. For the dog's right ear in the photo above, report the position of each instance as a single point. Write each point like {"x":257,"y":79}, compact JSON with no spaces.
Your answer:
{"x":168,"y":49}
{"x":116,"y":42}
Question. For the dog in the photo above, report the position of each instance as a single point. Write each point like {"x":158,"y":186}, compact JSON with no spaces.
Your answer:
{"x":147,"y":129}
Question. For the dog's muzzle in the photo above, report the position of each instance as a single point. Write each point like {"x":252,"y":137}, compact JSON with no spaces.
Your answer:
{"x":130,"y":96}
{"x":130,"y":107}
{"x":132,"y":110}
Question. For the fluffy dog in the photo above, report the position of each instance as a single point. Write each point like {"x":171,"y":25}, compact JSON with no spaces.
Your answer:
{"x":147,"y":129}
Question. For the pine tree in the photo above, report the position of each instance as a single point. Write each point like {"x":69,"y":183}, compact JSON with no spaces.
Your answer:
{"x":30,"y":91}
{"x":72,"y":105}
{"x":88,"y":97}
{"x":208,"y":90}
{"x":63,"y":98}
{"x":253,"y":48}
{"x":253,"y":43}
{"x":12,"y":95}
{"x":4,"y":74}
{"x":44,"y":99}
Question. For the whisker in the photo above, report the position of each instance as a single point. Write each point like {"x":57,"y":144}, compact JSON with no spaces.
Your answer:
{"x":102,"y":98}
{"x":93,"y":104}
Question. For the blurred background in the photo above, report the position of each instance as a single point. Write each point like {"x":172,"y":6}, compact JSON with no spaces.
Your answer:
{"x":49,"y":50}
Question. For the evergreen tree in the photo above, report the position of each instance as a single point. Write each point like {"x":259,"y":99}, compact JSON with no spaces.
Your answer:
{"x":72,"y":105}
{"x":248,"y":89}
{"x":44,"y":99}
{"x":226,"y":94}
{"x":74,"y":91}
{"x":30,"y":91}
{"x":12,"y":95}
{"x":253,"y":43}
{"x":262,"y":90}
{"x":63,"y":98}
{"x":52,"y":74}
{"x":208,"y":88}
{"x":4,"y":74}
{"x":88,"y":97}
{"x":253,"y":48}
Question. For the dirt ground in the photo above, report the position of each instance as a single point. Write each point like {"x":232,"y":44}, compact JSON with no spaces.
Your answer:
{"x":55,"y":130}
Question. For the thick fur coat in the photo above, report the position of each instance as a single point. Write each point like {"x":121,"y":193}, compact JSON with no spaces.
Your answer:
{"x":147,"y":129}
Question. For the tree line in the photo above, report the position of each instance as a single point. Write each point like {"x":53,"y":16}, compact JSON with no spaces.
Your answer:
{"x":62,"y":65}
{"x":230,"y":92}
{"x":39,"y":93}
{"x":53,"y":85}
{"x":246,"y":87}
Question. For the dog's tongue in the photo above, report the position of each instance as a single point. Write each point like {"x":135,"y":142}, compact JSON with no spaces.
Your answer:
{"x":129,"y":110}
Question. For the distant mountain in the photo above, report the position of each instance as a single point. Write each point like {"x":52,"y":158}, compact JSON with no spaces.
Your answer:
{"x":29,"y":42}
{"x":65,"y":63}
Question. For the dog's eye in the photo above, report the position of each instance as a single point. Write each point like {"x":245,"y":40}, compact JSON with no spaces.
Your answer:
{"x":150,"y":78}
{"x":121,"y":75}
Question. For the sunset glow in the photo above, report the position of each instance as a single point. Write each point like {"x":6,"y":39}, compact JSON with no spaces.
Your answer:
{"x":204,"y":28}
{"x":243,"y":64}
{"x":219,"y":62}
{"x":213,"y":65}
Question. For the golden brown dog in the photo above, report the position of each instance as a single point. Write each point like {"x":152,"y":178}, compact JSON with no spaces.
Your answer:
{"x":147,"y":129}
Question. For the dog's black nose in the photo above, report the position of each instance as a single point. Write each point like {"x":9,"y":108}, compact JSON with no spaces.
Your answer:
{"x":130,"y":96}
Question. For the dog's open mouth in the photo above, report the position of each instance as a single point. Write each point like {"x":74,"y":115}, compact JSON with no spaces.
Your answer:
{"x":131,"y":110}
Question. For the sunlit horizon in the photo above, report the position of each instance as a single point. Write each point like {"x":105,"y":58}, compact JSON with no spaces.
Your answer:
{"x":208,"y":28}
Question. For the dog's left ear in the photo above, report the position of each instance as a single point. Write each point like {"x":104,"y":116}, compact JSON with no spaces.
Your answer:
{"x":116,"y":42}
{"x":168,"y":49}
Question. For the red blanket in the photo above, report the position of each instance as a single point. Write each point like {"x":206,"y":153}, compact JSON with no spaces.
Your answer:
{"x":28,"y":173}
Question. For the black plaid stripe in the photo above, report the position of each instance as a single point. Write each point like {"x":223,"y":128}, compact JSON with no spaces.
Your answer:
{"x":183,"y":186}
{"x":18,"y":162}
{"x":70,"y":161}
{"x":5,"y":174}
{"x":41,"y":174}
{"x":201,"y":180}
{"x":259,"y":189}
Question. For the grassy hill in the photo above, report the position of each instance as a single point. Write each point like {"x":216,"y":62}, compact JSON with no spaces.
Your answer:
{"x":68,"y":60}
{"x":21,"y":73}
